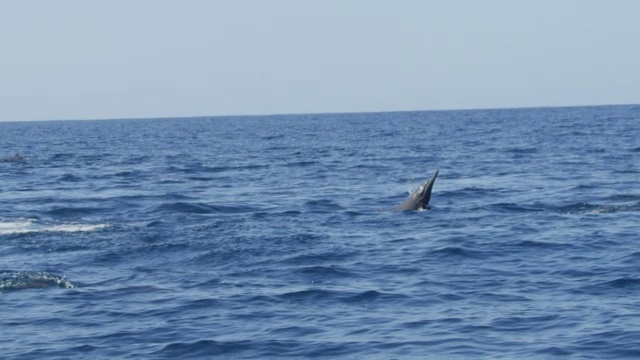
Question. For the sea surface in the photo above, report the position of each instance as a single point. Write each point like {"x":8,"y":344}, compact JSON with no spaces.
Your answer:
{"x":272,"y":236}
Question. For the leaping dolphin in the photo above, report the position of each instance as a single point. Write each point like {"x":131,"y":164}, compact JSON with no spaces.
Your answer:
{"x":419,"y":199}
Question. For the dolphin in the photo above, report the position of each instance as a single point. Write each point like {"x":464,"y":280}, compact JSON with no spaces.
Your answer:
{"x":15,"y":157}
{"x":419,"y":199}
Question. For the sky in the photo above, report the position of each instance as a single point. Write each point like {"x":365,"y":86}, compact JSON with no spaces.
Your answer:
{"x":78,"y":59}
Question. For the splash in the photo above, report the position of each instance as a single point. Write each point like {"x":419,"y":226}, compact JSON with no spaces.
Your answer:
{"x":19,"y":280}
{"x":23,"y":226}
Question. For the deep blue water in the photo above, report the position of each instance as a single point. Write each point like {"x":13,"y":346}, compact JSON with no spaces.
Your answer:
{"x":261,"y":237}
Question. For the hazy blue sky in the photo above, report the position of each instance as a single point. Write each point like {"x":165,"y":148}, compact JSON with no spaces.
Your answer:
{"x":83,"y":59}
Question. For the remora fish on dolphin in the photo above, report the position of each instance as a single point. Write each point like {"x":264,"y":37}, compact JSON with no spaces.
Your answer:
{"x":419,"y":199}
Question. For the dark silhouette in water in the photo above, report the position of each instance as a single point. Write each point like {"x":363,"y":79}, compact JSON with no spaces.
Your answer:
{"x":15,"y":157}
{"x":20,"y":280}
{"x":419,"y":199}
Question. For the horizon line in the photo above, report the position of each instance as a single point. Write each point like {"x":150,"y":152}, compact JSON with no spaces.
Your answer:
{"x":319,"y":113}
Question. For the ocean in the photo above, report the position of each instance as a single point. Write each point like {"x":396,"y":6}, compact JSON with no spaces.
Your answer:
{"x":272,"y":236}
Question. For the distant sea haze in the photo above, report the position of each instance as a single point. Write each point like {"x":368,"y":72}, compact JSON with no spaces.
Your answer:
{"x":261,"y":237}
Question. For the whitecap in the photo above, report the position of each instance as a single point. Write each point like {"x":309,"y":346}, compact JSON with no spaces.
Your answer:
{"x":23,"y":226}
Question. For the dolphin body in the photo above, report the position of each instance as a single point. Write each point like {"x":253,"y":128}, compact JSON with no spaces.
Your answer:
{"x":419,"y":199}
{"x":15,"y":157}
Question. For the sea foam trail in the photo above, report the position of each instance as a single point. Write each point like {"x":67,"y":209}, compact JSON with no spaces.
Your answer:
{"x":23,"y":226}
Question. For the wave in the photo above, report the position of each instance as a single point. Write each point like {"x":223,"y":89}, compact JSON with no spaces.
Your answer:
{"x":572,"y":209}
{"x":624,"y":282}
{"x":622,"y":285}
{"x":457,"y":252}
{"x":624,"y":198}
{"x":73,"y":212}
{"x":522,"y":150}
{"x":24,"y":226}
{"x":206,"y":348}
{"x":470,"y":192}
{"x":586,"y":208}
{"x":19,"y":280}
{"x":200,"y":208}
{"x":323,"y":206}
{"x":511,"y":207}
{"x":203,"y":169}
{"x":331,"y":271}
{"x":301,"y":163}
{"x":61,"y":157}
{"x":70,"y":178}
{"x":344,"y":297}
{"x":136,"y":174}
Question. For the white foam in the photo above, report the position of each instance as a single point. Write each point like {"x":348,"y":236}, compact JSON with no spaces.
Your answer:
{"x":23,"y":226}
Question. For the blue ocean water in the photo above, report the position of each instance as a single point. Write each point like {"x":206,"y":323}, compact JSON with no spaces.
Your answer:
{"x":270,"y":236}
